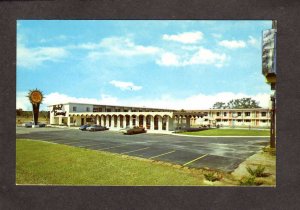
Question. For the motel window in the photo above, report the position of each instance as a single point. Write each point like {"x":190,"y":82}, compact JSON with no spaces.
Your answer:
{"x":225,"y":120}
{"x":87,"y":109}
{"x":247,"y":114}
{"x":74,"y":108}
{"x":118,"y":110}
{"x":239,"y":114}
{"x":263,"y":114}
{"x":108,"y":110}
{"x":225,"y":114}
{"x":263,"y":121}
{"x":125,"y":110}
{"x":218,"y":120}
{"x":247,"y":120}
{"x":218,"y":113}
{"x":133,"y":110}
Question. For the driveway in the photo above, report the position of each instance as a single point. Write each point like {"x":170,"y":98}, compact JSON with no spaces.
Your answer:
{"x":221,"y":153}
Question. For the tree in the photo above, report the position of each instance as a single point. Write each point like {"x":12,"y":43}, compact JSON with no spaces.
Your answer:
{"x":19,"y":112}
{"x":242,"y":103}
{"x":219,"y":105}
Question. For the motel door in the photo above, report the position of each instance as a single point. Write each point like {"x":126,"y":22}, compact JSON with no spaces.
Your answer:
{"x":82,"y":121}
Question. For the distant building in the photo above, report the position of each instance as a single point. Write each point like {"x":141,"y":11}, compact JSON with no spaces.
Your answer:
{"x":153,"y":119}
{"x":255,"y":117}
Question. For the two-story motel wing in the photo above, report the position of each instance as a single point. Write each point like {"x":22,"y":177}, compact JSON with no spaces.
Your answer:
{"x":153,"y":119}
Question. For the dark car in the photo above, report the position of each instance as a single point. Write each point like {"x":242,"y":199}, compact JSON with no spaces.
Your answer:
{"x":96,"y":128}
{"x":42,"y":124}
{"x":84,"y":127}
{"x":133,"y":130}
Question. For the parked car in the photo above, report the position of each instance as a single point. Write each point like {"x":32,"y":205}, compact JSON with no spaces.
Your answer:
{"x":27,"y":124}
{"x":96,"y":128}
{"x":133,"y":130}
{"x":84,"y":127}
{"x":42,"y":124}
{"x":30,"y":124}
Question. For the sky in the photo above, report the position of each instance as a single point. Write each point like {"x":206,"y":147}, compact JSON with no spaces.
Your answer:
{"x":183,"y":64}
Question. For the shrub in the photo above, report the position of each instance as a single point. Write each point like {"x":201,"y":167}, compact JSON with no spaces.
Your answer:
{"x":212,"y":176}
{"x":258,"y":172}
{"x":248,"y":181}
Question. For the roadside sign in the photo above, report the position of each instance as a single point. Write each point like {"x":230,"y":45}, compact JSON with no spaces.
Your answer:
{"x":269,"y":52}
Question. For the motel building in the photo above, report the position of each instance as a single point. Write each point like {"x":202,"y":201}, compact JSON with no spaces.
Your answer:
{"x":152,"y":119}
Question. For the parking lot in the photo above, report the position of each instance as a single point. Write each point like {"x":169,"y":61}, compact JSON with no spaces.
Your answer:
{"x":221,"y":153}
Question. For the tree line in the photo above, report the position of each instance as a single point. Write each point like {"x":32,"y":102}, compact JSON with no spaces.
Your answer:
{"x":242,"y":103}
{"x":22,"y":113}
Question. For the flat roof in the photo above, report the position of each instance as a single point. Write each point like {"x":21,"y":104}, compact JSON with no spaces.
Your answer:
{"x":113,"y":106}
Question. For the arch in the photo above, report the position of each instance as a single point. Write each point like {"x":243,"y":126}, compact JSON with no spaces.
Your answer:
{"x":127,"y":120}
{"x":149,"y":120}
{"x":134,"y":120}
{"x":121,"y":119}
{"x":115,"y":120}
{"x":141,"y":119}
{"x":108,"y":120}
{"x":157,"y":122}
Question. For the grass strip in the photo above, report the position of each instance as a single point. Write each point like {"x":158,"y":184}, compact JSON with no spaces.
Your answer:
{"x":40,"y":162}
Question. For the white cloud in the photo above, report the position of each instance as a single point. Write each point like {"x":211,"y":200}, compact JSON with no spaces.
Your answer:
{"x":57,"y":98}
{"x":117,"y":46}
{"x":233,"y":44}
{"x":169,"y":59}
{"x":125,"y":85}
{"x":186,"y":38}
{"x":206,"y":56}
{"x":201,"y":56}
{"x":22,"y":101}
{"x":125,"y":47}
{"x":32,"y":57}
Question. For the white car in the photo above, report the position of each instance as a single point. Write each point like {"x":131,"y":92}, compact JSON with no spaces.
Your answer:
{"x":27,"y":124}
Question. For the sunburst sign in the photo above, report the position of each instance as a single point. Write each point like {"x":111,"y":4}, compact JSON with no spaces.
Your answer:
{"x":36,"y":98}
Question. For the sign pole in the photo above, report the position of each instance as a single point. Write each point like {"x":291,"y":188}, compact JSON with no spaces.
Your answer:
{"x":272,"y":130}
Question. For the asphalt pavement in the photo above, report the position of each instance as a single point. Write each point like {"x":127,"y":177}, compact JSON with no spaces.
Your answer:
{"x":221,"y":153}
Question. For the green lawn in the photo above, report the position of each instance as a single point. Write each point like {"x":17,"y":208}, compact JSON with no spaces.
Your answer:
{"x":44,"y":163}
{"x":229,"y":132}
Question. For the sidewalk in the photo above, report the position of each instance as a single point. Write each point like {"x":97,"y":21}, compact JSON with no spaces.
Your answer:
{"x":265,"y":158}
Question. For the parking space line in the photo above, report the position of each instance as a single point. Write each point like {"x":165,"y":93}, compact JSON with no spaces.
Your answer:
{"x":135,"y":150}
{"x":113,"y":147}
{"x":162,"y":154}
{"x":195,"y":160}
{"x":88,"y":145}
